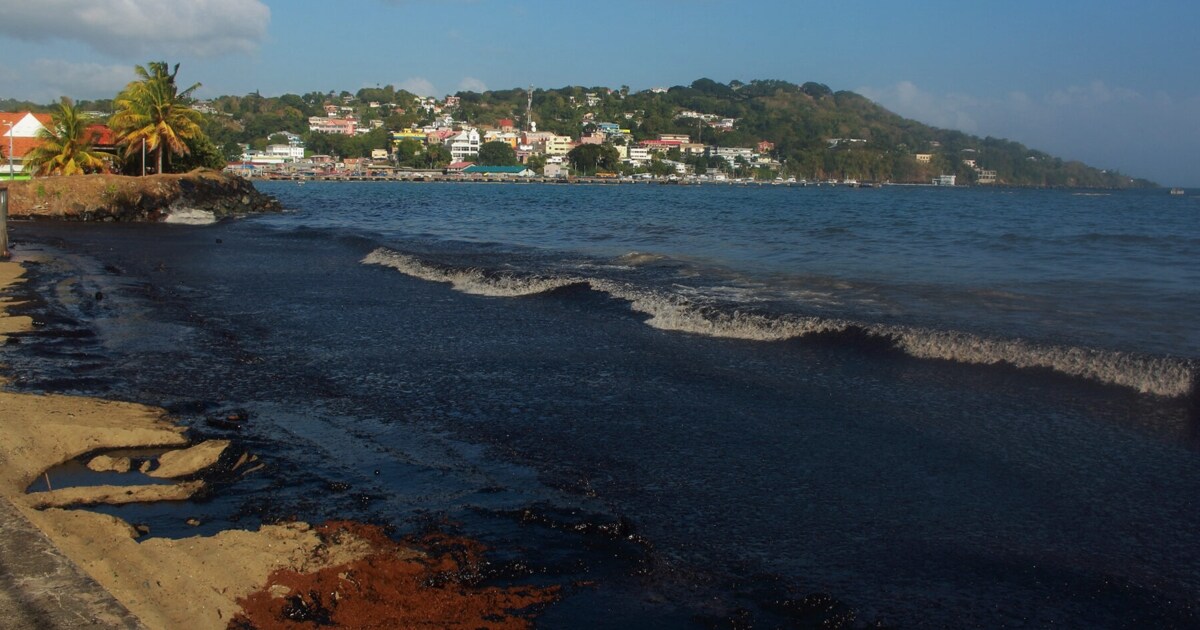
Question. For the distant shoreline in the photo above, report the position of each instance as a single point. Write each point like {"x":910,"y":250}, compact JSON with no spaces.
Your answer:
{"x":615,"y":181}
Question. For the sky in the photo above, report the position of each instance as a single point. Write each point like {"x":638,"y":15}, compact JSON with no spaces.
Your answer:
{"x":1114,"y":83}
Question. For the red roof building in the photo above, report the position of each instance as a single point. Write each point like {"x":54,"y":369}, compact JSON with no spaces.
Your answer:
{"x":21,"y":128}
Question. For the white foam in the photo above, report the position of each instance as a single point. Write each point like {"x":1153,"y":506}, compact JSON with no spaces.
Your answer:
{"x":472,"y":281}
{"x":635,"y":259}
{"x":190,"y":216}
{"x":1162,"y":376}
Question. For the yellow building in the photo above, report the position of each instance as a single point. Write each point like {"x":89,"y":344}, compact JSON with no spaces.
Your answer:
{"x":509,"y":138}
{"x":408,"y":134}
{"x":559,"y":145}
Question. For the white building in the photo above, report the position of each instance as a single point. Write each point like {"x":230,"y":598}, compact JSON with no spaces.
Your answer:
{"x":639,"y":155}
{"x":680,"y":167}
{"x":463,"y":144}
{"x":556,"y":170}
{"x":290,"y":152}
{"x":731,"y":154}
{"x":944,"y":180}
{"x":19,"y":131}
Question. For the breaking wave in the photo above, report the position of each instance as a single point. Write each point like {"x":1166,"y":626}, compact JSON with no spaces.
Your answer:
{"x":470,"y":280}
{"x":189,"y":216}
{"x":1162,"y":376}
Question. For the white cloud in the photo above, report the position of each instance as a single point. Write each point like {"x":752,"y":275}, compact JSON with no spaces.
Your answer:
{"x":950,"y":111}
{"x":419,"y":86}
{"x":82,"y":80}
{"x":1095,"y":93}
{"x":471,"y":84}
{"x":121,"y":27}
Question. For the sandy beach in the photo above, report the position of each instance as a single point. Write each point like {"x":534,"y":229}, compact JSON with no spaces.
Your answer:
{"x":262,"y":578}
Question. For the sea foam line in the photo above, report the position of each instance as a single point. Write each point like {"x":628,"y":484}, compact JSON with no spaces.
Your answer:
{"x":1161,"y":376}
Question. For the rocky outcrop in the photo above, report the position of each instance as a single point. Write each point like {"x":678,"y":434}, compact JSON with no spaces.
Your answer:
{"x":189,"y":461}
{"x":202,"y":192}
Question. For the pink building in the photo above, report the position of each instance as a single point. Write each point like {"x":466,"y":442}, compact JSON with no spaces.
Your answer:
{"x":344,"y":126}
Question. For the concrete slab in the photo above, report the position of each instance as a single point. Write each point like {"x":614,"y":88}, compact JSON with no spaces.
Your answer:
{"x":40,"y":588}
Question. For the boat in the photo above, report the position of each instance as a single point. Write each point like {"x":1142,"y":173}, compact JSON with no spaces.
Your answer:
{"x":1177,"y":191}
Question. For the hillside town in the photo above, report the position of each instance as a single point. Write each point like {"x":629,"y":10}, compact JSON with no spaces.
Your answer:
{"x":763,"y":132}
{"x":534,"y":153}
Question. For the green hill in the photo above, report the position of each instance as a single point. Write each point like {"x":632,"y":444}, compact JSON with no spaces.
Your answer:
{"x":803,"y":121}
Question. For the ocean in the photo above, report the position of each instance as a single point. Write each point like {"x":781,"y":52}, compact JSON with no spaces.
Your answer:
{"x":713,"y":406}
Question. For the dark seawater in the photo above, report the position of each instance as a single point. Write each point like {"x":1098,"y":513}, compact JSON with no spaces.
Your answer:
{"x":940,"y":408}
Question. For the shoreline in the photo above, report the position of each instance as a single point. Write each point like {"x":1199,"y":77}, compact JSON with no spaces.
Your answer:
{"x":257,"y":577}
{"x":438,"y":177}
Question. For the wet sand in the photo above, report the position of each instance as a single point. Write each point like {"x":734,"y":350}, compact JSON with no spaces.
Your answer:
{"x":203,"y":582}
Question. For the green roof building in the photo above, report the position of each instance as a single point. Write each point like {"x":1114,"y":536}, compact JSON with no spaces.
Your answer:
{"x":509,"y":171}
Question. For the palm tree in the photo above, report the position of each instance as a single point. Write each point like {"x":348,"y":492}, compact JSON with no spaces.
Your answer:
{"x":66,"y":145}
{"x":153,"y":110}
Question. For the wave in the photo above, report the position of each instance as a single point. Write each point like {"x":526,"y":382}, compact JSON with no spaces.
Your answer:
{"x":470,"y":280}
{"x":1161,"y":376}
{"x":634,"y":259}
{"x":189,"y":216}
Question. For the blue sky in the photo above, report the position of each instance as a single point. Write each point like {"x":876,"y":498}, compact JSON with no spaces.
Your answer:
{"x":1112,"y":83}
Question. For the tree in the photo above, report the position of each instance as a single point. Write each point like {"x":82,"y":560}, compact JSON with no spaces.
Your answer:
{"x":65,"y":146}
{"x":590,"y":158}
{"x":497,"y":153}
{"x":232,"y":151}
{"x":659,"y":168}
{"x":435,"y":155}
{"x":201,"y":153}
{"x":409,"y":152}
{"x":536,"y":163}
{"x":154,"y":110}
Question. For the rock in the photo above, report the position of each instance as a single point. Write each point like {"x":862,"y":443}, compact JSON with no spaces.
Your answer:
{"x":189,"y":461}
{"x":193,"y":522}
{"x":105,"y":463}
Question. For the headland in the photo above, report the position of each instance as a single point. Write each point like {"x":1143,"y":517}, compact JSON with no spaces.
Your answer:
{"x":101,"y":197}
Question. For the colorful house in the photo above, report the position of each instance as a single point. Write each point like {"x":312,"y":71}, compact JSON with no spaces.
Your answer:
{"x":19,"y":131}
{"x":19,"y":137}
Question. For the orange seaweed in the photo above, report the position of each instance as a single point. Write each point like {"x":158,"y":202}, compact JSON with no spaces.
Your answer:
{"x":392,"y":587}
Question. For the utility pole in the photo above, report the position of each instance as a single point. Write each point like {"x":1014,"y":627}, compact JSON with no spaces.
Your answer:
{"x":529,"y":111}
{"x":4,"y":253}
{"x":10,"y":150}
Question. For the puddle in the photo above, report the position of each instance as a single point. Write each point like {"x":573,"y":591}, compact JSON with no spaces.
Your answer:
{"x":75,"y":473}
